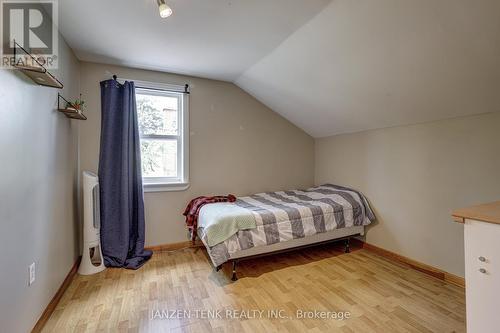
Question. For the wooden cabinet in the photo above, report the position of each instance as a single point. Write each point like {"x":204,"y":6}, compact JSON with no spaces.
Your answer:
{"x":482,"y":266}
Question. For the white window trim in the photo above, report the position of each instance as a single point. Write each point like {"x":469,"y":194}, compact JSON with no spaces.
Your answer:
{"x":176,"y":183}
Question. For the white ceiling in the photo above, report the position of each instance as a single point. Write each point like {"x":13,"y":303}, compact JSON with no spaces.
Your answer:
{"x":362,"y":65}
{"x":329,"y":67}
{"x":217,"y":39}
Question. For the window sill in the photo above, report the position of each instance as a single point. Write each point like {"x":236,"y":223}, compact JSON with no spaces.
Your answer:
{"x":165,"y":187}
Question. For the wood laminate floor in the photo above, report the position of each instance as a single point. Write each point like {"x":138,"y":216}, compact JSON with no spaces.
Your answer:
{"x":380,"y":295}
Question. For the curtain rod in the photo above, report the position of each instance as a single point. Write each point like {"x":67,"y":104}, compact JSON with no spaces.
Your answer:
{"x":186,"y":87}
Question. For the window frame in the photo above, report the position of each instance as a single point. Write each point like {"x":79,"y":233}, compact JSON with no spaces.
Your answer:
{"x":181,"y":182}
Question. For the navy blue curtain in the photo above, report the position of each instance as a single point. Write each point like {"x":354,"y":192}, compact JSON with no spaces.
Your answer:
{"x":120,"y":178}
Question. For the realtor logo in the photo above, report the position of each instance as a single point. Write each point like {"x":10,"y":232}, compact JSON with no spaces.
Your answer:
{"x":32,"y":26}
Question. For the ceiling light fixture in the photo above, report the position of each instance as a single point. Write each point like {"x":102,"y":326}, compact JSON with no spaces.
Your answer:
{"x":165,"y":10}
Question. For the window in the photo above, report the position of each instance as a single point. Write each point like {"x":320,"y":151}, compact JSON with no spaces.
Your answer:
{"x":162,"y":113}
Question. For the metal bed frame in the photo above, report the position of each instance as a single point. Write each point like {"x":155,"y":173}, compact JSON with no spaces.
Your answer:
{"x":347,"y":249}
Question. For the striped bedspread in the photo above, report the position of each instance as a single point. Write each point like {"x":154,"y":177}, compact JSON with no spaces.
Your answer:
{"x":286,"y":215}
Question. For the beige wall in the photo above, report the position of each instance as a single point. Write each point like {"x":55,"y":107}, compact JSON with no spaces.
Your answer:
{"x":237,"y":145}
{"x":37,"y":192}
{"x":414,"y":176}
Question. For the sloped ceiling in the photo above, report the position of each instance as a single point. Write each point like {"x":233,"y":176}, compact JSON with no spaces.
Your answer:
{"x":217,"y":39}
{"x":329,"y":67}
{"x":362,"y":64}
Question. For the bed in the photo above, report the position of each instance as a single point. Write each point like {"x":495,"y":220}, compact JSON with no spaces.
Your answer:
{"x":271,"y":222}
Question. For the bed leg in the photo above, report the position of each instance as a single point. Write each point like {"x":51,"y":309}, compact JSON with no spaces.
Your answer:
{"x":218,"y":268}
{"x":347,"y":246}
{"x":234,"y":278}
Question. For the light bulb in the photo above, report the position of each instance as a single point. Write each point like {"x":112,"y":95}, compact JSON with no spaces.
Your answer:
{"x":165,"y":10}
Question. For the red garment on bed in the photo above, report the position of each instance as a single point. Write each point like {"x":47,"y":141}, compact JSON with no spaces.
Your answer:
{"x":193,"y":209}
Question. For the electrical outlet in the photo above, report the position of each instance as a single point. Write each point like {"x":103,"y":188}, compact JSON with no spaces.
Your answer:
{"x":32,"y":271}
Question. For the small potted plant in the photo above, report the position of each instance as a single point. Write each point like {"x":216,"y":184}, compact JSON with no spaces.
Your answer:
{"x":77,"y":105}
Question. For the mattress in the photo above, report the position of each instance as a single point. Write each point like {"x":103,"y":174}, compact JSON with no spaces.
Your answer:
{"x":286,"y":216}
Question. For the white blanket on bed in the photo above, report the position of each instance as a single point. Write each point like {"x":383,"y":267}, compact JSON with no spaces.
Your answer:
{"x":219,"y":221}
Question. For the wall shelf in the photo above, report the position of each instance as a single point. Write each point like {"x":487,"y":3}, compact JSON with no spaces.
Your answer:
{"x":69,"y":109}
{"x":33,"y":69}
